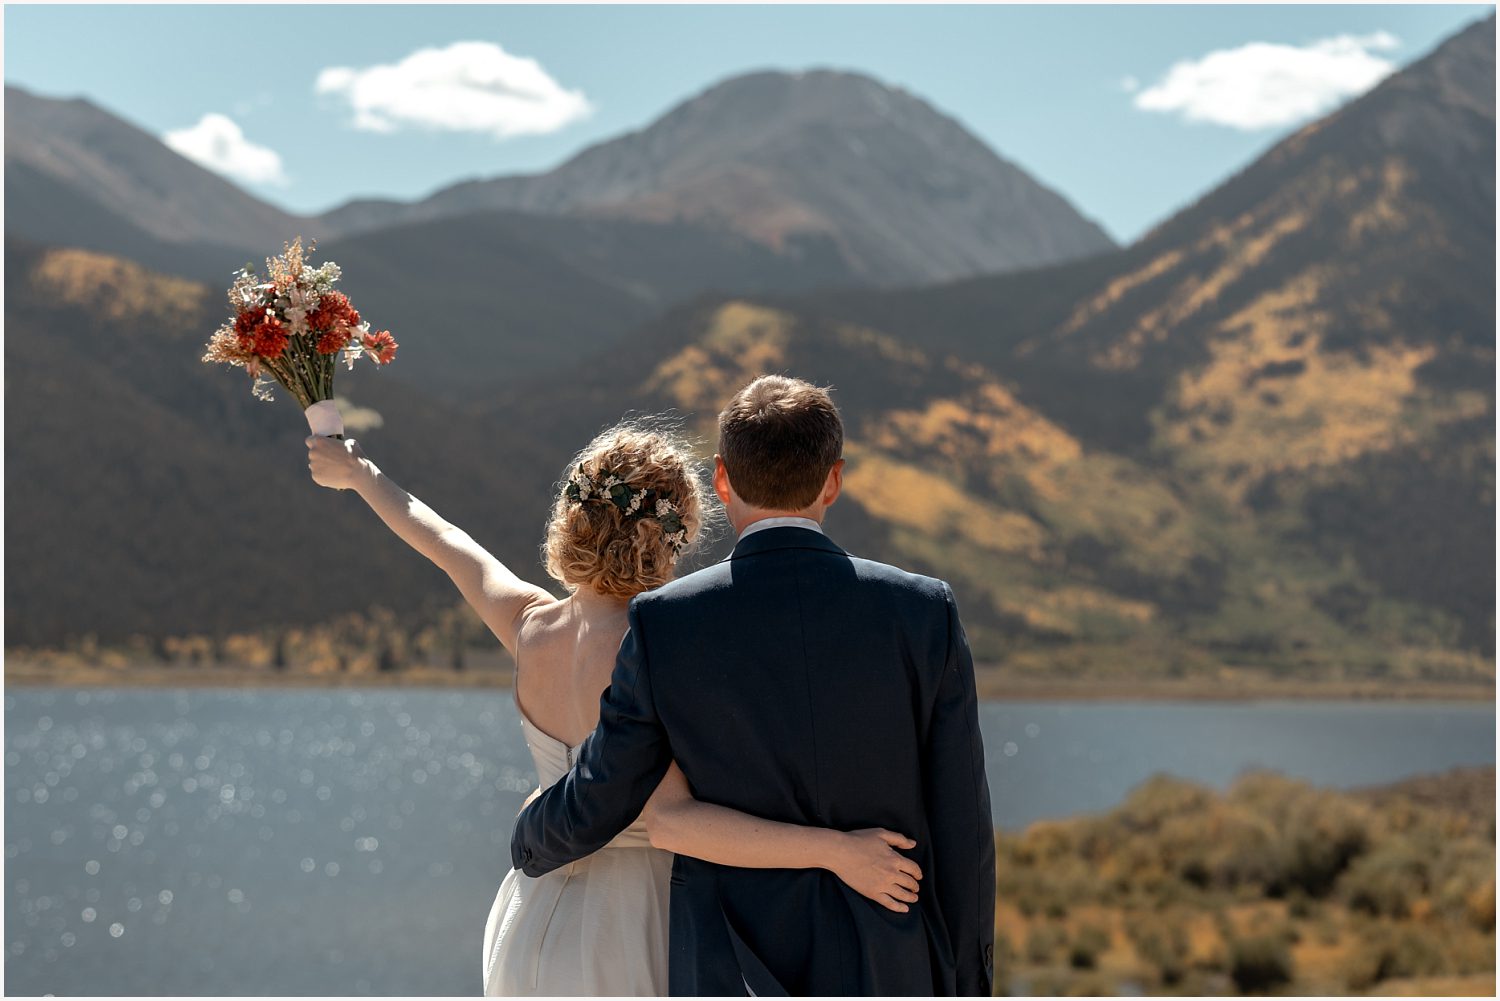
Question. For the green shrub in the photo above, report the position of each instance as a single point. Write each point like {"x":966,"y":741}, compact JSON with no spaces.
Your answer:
{"x":1259,"y":964}
{"x":1087,"y":945}
{"x":1479,"y":906}
{"x":1321,"y":836}
{"x":1043,"y":941}
{"x":1005,"y":962}
{"x":1387,"y":881}
{"x":1395,"y":952}
{"x":1164,"y":945}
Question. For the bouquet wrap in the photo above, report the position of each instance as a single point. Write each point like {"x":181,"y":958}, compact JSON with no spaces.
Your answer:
{"x":324,"y":419}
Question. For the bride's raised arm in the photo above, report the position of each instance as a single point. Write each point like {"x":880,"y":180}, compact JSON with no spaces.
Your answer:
{"x":866,"y":860}
{"x":499,"y":597}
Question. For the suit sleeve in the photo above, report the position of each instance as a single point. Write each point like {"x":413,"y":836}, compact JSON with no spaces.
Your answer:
{"x":959,"y":821}
{"x":618,"y":767}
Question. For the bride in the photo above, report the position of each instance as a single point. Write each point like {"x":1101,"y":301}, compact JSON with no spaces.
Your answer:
{"x":631,"y":505}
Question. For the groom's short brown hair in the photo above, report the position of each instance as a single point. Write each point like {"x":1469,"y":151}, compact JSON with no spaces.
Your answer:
{"x":778,"y":438}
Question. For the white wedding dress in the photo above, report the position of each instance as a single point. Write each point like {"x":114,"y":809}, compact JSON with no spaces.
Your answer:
{"x":595,"y":927}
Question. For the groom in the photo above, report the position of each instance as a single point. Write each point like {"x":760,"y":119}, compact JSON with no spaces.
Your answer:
{"x":801,"y":684}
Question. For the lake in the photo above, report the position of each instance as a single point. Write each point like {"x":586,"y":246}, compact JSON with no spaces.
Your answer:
{"x":350,"y":841}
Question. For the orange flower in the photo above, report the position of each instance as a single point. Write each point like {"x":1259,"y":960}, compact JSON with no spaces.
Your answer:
{"x":381,"y":345}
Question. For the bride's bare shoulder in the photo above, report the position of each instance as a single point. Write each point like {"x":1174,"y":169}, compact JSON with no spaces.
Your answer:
{"x":542,"y":620}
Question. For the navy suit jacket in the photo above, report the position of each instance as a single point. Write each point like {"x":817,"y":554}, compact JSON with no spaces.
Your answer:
{"x":797,"y":683}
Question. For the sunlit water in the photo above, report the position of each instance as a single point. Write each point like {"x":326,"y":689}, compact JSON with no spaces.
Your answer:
{"x":348,"y":842}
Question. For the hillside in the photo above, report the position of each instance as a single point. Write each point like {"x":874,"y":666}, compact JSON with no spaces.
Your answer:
{"x":1255,"y":446}
{"x":489,"y":298}
{"x":1272,"y":887}
{"x":58,"y":151}
{"x":1261,"y":439}
{"x":149,"y":493}
{"x":516,"y":292}
{"x":800,"y":162}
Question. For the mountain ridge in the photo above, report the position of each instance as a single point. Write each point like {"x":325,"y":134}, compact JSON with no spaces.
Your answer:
{"x":1261,"y":443}
{"x":132,"y":173}
{"x":685,"y":165}
{"x":1319,"y":392}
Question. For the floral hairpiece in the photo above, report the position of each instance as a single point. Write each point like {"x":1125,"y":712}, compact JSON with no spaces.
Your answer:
{"x":632,"y":503}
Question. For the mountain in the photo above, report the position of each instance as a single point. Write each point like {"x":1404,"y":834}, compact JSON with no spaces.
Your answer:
{"x":1313,"y":340}
{"x":949,"y":472}
{"x":147,"y":492}
{"x":489,"y":298}
{"x":1319,"y":233}
{"x":1257,"y":442}
{"x":476,"y":299}
{"x":1260,"y":437}
{"x":799,"y":161}
{"x":69,"y":160}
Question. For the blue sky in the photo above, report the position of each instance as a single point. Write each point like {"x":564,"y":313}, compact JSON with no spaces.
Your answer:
{"x":1085,"y":98}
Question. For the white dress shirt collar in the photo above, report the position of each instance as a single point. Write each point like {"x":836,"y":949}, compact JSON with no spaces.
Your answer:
{"x":788,"y":522}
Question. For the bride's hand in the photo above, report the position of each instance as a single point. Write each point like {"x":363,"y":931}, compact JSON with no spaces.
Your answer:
{"x":337,"y":463}
{"x":868,"y":861}
{"x":535,"y":795}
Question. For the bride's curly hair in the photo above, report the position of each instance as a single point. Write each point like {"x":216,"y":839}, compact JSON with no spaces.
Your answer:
{"x":594,"y":543}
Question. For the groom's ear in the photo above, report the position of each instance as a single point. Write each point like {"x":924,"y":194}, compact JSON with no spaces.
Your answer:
{"x":834,"y":484}
{"x":721,"y":479}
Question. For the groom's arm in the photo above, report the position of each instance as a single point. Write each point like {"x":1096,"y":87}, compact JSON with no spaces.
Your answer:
{"x":958,"y":815}
{"x":618,"y":767}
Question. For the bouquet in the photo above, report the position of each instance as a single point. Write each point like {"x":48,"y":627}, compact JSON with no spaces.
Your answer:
{"x":293,"y":325}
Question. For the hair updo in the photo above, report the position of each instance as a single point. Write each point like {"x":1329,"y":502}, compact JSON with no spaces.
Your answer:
{"x":595,"y":544}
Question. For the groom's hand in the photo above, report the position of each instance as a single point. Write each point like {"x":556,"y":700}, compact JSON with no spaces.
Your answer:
{"x":336,"y":463}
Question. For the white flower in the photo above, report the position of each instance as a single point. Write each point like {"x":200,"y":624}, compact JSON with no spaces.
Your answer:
{"x":262,"y":387}
{"x":582,"y":482}
{"x":322,"y":278}
{"x":635,"y":503}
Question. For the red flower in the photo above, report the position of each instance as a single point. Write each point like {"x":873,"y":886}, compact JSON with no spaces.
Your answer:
{"x":381,"y":345}
{"x":335,"y":338}
{"x":333,"y":308}
{"x":271,"y":338}
{"x":246,"y":324}
{"x":247,"y":321}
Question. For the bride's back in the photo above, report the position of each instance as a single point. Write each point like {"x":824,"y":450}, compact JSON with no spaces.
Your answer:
{"x":565,"y":653}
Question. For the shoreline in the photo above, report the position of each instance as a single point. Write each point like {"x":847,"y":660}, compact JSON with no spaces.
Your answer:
{"x":993,"y":685}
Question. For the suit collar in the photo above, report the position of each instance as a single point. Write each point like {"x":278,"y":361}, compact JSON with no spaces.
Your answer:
{"x":783,"y":537}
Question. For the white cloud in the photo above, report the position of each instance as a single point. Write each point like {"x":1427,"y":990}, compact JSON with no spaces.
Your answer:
{"x":1129,"y":84}
{"x":217,"y":143}
{"x":466,"y":87}
{"x":1264,"y":85}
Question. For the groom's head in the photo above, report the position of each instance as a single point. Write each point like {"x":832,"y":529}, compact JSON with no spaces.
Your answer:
{"x":781,"y":445}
